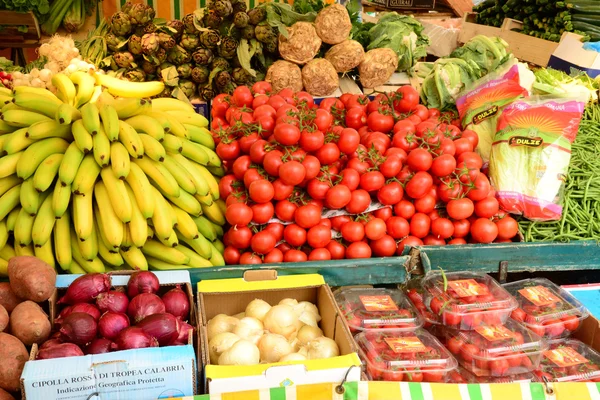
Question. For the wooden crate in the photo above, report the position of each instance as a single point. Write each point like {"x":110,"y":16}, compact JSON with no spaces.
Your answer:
{"x":13,"y":33}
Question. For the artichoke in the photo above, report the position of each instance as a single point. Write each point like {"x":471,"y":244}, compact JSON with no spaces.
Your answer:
{"x":123,"y":59}
{"x":264,"y":33}
{"x":160,"y":55}
{"x":165,"y":65}
{"x":257,"y":15}
{"x":212,"y":20}
{"x":178,"y":55}
{"x":271,"y":46}
{"x":187,"y":87}
{"x":141,"y":14}
{"x":248,"y":32}
{"x":200,"y":74}
{"x":202,"y":56}
{"x":135,"y":75}
{"x":134,"y":45}
{"x":239,"y":7}
{"x":141,"y":30}
{"x":210,"y":39}
{"x":167,"y":92}
{"x":206,"y":92}
{"x":222,"y":8}
{"x":114,"y":42}
{"x":189,"y":41}
{"x":241,"y":19}
{"x":176,"y":28}
{"x":120,"y":24}
{"x":184,"y":70}
{"x":188,"y":24}
{"x":150,"y":43}
{"x":148,"y":67}
{"x":126,"y":7}
{"x":241,"y":76}
{"x":222,"y":79}
{"x":220,"y":63}
{"x":166,"y":41}
{"x":228,"y":47}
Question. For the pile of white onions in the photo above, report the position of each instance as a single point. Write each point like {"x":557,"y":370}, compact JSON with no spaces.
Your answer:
{"x":287,"y":331}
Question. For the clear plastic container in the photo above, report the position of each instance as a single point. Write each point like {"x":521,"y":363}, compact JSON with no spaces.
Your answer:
{"x":414,"y":356}
{"x":466,"y":300}
{"x":414,"y":292}
{"x":461,"y":375}
{"x":496,"y":350}
{"x":569,"y":361}
{"x":377,"y":309}
{"x":546,"y":308}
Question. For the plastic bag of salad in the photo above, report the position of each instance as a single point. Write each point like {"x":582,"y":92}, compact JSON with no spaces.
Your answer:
{"x":481,"y":105}
{"x":531,"y":154}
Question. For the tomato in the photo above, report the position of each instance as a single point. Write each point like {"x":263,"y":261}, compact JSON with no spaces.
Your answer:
{"x":487,"y":207}
{"x":471,"y":136}
{"x":236,"y":197}
{"x":231,"y":255}
{"x":336,"y":249}
{"x":433,"y":375}
{"x":264,"y":110}
{"x":391,"y":166}
{"x":285,"y":210}
{"x":358,"y":100}
{"x":263,"y":242}
{"x":454,"y":344}
{"x":384,"y":213}
{"x":250,"y":258}
{"x":281,"y":190}
{"x":292,"y":173}
{"x":507,"y":227}
{"x":499,"y":367}
{"x":379,"y":122}
{"x":409,"y":99}
{"x":537,"y":329}
{"x":323,"y":120}
{"x":312,"y":166}
{"x":227,"y":185}
{"x":261,"y":190}
{"x":518,"y":315}
{"x":262,"y":87}
{"x":449,"y":190}
{"x":274,"y":256}
{"x":419,"y":185}
{"x":307,"y":216}
{"x":228,"y":150}
{"x":294,"y":235}
{"x":338,"y":197}
{"x":462,"y":227}
{"x":442,"y":228}
{"x":467,"y":352}
{"x":421,"y":111}
{"x":239,"y":237}
{"x":353,"y":231}
{"x":262,"y":212}
{"x":252,"y":175}
{"x":404,"y":209}
{"x":238,"y":214}
{"x":350,"y":178}
{"x":311,"y":140}
{"x":348,"y":141}
{"x":414,"y":376}
{"x":410,"y":241}
{"x":331,"y":103}
{"x":319,"y":254}
{"x":317,"y":189}
{"x":460,"y":208}
{"x":358,"y":250}
{"x":425,"y":204}
{"x":462,"y":146}
{"x":484,"y":231}
{"x":360,"y":200}
{"x":457,"y":241}
{"x":286,"y":134}
{"x":397,"y":227}
{"x":337,"y":222}
{"x":376,"y":229}
{"x":272,"y":162}
{"x":419,"y":225}
{"x":328,"y":153}
{"x":471,"y":159}
{"x":443,"y":165}
{"x":294,"y":255}
{"x":286,"y":110}
{"x":356,"y":118}
{"x":390,"y":193}
{"x":240,"y":166}
{"x":419,"y":160}
{"x":242,"y":97}
{"x":571,"y":322}
{"x":318,"y":236}
{"x":554,"y":328}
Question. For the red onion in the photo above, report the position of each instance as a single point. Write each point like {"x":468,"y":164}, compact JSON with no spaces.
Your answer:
{"x":50,"y":343}
{"x":111,"y":324}
{"x":86,"y":288}
{"x":143,"y":305}
{"x":100,"y":346}
{"x":65,"y":311}
{"x":177,"y":303}
{"x":81,"y":307}
{"x":79,"y":328}
{"x":182,"y":339}
{"x":162,"y":327}
{"x":114,"y":301}
{"x":134,"y":338}
{"x":59,"y":351}
{"x":142,"y":282}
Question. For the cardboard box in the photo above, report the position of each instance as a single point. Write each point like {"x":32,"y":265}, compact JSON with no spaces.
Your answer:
{"x":159,"y":372}
{"x":231,"y":296}
{"x":397,"y":80}
{"x":570,"y":55}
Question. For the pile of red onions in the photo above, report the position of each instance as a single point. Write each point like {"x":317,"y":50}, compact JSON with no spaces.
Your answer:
{"x":99,"y":320}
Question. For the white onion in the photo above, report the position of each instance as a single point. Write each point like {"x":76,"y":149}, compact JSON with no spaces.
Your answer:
{"x":242,"y":352}
{"x":293,"y":357}
{"x":272,"y":347}
{"x":290,"y":302}
{"x":34,"y":72}
{"x":71,"y":68}
{"x":282,"y":320}
{"x":45,"y":75}
{"x":307,"y":306}
{"x":17,"y":75}
{"x":240,"y":315}
{"x":308,"y":333}
{"x":219,"y":324}
{"x":322,"y":347}
{"x":308,"y":318}
{"x":257,"y":308}
{"x":250,"y":329}
{"x":219,"y":344}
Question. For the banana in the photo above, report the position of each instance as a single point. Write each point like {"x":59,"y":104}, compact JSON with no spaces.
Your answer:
{"x":109,"y":257}
{"x":152,"y":147}
{"x":159,"y":251}
{"x":191,"y":118}
{"x":38,"y":152}
{"x":65,"y":87}
{"x":213,"y":213}
{"x":30,"y":199}
{"x":222,"y":205}
{"x":131,"y":140}
{"x":49,"y":129}
{"x":187,"y":202}
{"x":10,"y":106}
{"x":11,"y":219}
{"x":184,"y":178}
{"x":7,"y":252}
{"x":44,"y":223}
{"x":172,"y":143}
{"x":101,"y":148}
{"x":104,"y":99}
{"x":45,"y":253}
{"x":85,"y":87}
{"x":207,"y":200}
{"x":66,"y":113}
{"x":202,"y":187}
{"x":46,"y":172}
{"x":90,"y":118}
{"x":200,"y":245}
{"x":219,"y":246}
{"x":61,"y":198}
{"x":3,"y":267}
{"x":8,"y":183}
{"x":160,"y":175}
{"x":185,"y":224}
{"x":75,"y":268}
{"x":88,"y":266}
{"x":138,"y":226}
{"x":48,"y":95}
{"x":62,"y":241}
{"x":213,"y":158}
{"x":129,"y":107}
{"x":22,"y":118}
{"x":70,"y":164}
{"x":6,"y":98}
{"x":119,"y":160}
{"x":127,"y":241}
{"x":142,"y":189}
{"x":163,"y":104}
{"x":196,"y":261}
{"x":108,"y":220}
{"x":96,"y":94}
{"x":218,"y":229}
{"x":146,"y":124}
{"x":86,"y":175}
{"x":82,"y":137}
{"x":8,"y":164}
{"x":135,"y":259}
{"x":177,"y":127}
{"x":210,"y":180}
{"x":216,"y":259}
{"x":205,"y":228}
{"x":172,"y":241}
{"x":24,"y":228}
{"x":201,"y":136}
{"x":121,"y":88}
{"x":89,"y":248}
{"x":6,"y":128}
{"x":161,"y":118}
{"x":83,"y":215}
{"x":194,"y":152}
{"x":16,"y":141}
{"x":110,"y":122}
{"x":159,"y":265}
{"x":117,"y":193}
{"x":38,"y":102}
{"x":217,"y":171}
{"x":162,"y":220}
{"x":24,"y":251}
{"x":3,"y":234}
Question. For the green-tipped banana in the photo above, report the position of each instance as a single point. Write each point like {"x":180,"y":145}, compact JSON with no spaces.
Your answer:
{"x":45,"y":253}
{"x":8,"y":164}
{"x":127,"y":108}
{"x":210,"y":180}
{"x":177,"y":127}
{"x":29,"y":198}
{"x":205,"y":227}
{"x":194,"y":152}
{"x":70,"y":164}
{"x":11,"y":219}
{"x":85,"y":87}
{"x":82,"y":137}
{"x":160,"y":175}
{"x":183,"y":177}
{"x":90,"y":117}
{"x":214,"y":213}
{"x":108,"y":220}
{"x":49,"y":129}
{"x":39,"y":103}
{"x":152,"y":147}
{"x":185,"y":224}
{"x":61,"y":198}
{"x":138,"y":226}
{"x":216,"y":259}
{"x":38,"y":152}
{"x":62,"y":241}
{"x":213,"y":158}
{"x":76,"y":269}
{"x":202,"y":187}
{"x":46,"y":172}
{"x":110,"y":122}
{"x":135,"y":259}
{"x":196,"y":261}
{"x":218,"y":229}
{"x":24,"y":228}
{"x":191,"y":118}
{"x":148,"y":125}
{"x":83,"y":215}
{"x":158,"y":250}
{"x":86,"y":175}
{"x":219,"y":246}
{"x":22,"y":118}
{"x":3,"y":234}
{"x":200,"y":245}
{"x":66,"y":113}
{"x":65,"y":87}
{"x":162,"y":220}
{"x":101,"y":148}
{"x":142,"y":189}
{"x":217,"y":171}
{"x":117,"y":193}
{"x":186,"y":202}
{"x":119,"y":160}
{"x":201,"y":136}
{"x":158,"y":265}
{"x":173,"y":144}
{"x":131,"y":140}
{"x":44,"y":223}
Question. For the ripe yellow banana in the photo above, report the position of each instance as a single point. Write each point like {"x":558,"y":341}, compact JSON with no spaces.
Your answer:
{"x":8,"y":164}
{"x":45,"y":253}
{"x":119,"y":160}
{"x":22,"y":118}
{"x":90,"y":117}
{"x":187,"y":202}
{"x":40,"y":91}
{"x":38,"y":152}
{"x":85,"y":87}
{"x":122,"y":88}
{"x":196,"y":261}
{"x":8,"y":183}
{"x":66,"y":113}
{"x":3,"y":234}
{"x":82,"y":137}
{"x":104,"y":99}
{"x":49,"y":129}
{"x":83,"y":215}
{"x":142,"y":189}
{"x":44,"y":223}
{"x":217,"y":171}
{"x":191,"y":118}
{"x":86,"y":175}
{"x":206,"y":200}
{"x":171,"y":241}
{"x":7,"y":252}
{"x":172,"y":143}
{"x":76,"y":269}
{"x":159,"y":175}
{"x":65,"y":87}
{"x":213,"y":213}
{"x":131,"y":140}
{"x":112,"y":258}
{"x":138,"y":226}
{"x":159,"y":265}
{"x":46,"y":172}
{"x":88,"y":266}
{"x":146,"y":124}
{"x":185,"y":224}
{"x":61,"y":198}
{"x":200,"y":135}
{"x":29,"y":198}
{"x":200,"y":245}
{"x":101,"y":148}
{"x":152,"y":147}
{"x":128,"y":107}
{"x":161,"y":118}
{"x":135,"y":259}
{"x":162,"y":220}
{"x":89,"y":248}
{"x":38,"y":102}
{"x":24,"y":251}
{"x":16,"y":141}
{"x":62,"y":241}
{"x":177,"y":127}
{"x":108,"y":220}
{"x":216,"y":258}
{"x":194,"y":152}
{"x":205,"y":228}
{"x":210,"y":180}
{"x":110,"y":121}
{"x":183,"y":176}
{"x":198,"y":180}
{"x":119,"y":199}
{"x":6,"y":128}
{"x":11,"y":219}
{"x":163,"y":104}
{"x":159,"y":251}
{"x":70,"y":164}
{"x":23,"y":228}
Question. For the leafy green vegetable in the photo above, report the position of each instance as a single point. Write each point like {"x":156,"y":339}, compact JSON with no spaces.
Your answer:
{"x":446,"y":80}
{"x":307,"y":6}
{"x":487,"y":52}
{"x":281,"y":15}
{"x":39,"y":7}
{"x":7,"y":65}
{"x":551,"y":81}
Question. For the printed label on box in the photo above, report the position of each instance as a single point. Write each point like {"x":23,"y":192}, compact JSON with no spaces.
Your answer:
{"x":495,"y":333}
{"x":467,"y":288}
{"x":539,"y":295}
{"x":410,"y":344}
{"x":378,"y":303}
{"x":565,"y":357}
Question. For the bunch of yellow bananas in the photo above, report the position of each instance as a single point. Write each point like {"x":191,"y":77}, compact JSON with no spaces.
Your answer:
{"x":91,"y":182}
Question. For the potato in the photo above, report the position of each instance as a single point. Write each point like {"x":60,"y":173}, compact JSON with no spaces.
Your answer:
{"x":31,"y":278}
{"x":29,"y":323}
{"x":3,"y":318}
{"x":13,"y":355}
{"x":4,"y":395}
{"x":8,"y":298}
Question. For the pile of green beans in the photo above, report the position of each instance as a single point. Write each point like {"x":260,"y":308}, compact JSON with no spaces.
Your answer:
{"x":581,"y":198}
